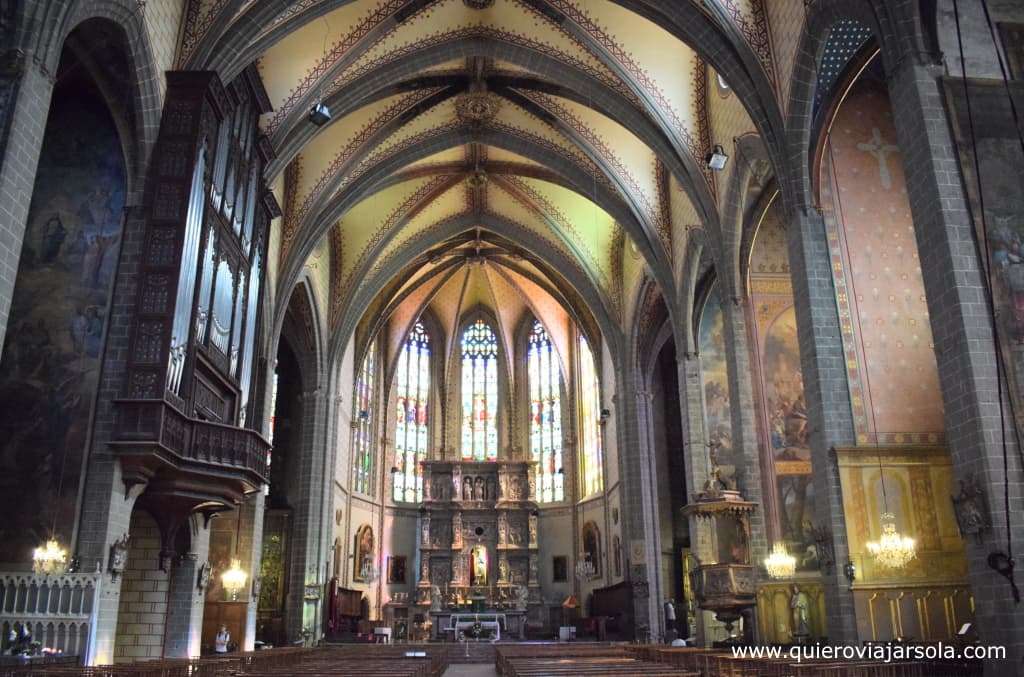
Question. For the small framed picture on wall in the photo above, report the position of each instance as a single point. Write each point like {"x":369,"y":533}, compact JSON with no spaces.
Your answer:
{"x":396,"y":569}
{"x":559,"y":569}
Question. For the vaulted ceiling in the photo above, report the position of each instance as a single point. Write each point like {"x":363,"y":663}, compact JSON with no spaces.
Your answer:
{"x":562,"y":138}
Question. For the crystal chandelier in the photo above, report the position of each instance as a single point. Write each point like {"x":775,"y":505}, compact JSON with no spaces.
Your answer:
{"x":892,"y":550}
{"x":234,"y":578}
{"x":50,"y":559}
{"x":585,"y":569}
{"x":780,"y":564}
{"x":368,"y":571}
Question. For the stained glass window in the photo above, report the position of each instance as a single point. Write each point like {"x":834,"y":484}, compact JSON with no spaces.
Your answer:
{"x":413,"y":392}
{"x":363,"y":442}
{"x":592,"y":456}
{"x":479,"y":393}
{"x":545,"y":414}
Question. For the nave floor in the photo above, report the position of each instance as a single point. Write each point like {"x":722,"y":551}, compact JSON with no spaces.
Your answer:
{"x":470,"y":670}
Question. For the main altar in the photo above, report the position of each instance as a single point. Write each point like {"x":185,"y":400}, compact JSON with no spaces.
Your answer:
{"x":478,"y":545}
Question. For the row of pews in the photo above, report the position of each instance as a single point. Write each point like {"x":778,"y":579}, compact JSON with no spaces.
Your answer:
{"x":378,"y":660}
{"x":511,"y":660}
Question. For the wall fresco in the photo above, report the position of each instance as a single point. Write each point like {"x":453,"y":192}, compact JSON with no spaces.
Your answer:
{"x":715,"y":381}
{"x":51,"y":360}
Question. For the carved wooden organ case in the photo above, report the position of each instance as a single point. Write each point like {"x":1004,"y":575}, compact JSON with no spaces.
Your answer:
{"x":181,"y":428}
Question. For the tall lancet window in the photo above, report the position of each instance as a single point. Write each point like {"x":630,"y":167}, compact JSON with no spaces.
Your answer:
{"x":592,"y":455}
{"x":363,"y":441}
{"x":545,"y":414}
{"x":479,"y":393}
{"x":411,"y":416}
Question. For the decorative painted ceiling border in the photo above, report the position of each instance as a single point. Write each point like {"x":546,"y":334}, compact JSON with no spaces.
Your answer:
{"x":334,"y":304}
{"x":381,"y":13}
{"x":661,"y":184}
{"x":756,"y":33}
{"x":396,"y":215}
{"x":441,"y":38}
{"x":700,"y":100}
{"x":583,"y":19}
{"x":289,"y":223}
{"x":355,"y":143}
{"x":564,"y":114}
{"x":197,"y":24}
{"x":545,"y":206}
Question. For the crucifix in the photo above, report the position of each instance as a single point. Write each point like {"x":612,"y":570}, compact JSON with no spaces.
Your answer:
{"x":879,"y":149}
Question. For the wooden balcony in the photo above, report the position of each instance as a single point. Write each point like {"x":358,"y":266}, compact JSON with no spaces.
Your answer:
{"x":184,"y":464}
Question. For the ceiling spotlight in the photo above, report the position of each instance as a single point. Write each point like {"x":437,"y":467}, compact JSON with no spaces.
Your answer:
{"x":319,"y":114}
{"x":717,"y":158}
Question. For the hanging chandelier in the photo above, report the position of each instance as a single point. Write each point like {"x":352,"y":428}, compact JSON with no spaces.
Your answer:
{"x":892,"y":550}
{"x":368,"y":571}
{"x":50,"y":559}
{"x":585,"y":569}
{"x":234,"y":578}
{"x":780,"y":564}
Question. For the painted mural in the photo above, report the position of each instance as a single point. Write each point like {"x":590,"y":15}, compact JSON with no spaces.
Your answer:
{"x":780,"y":385}
{"x":51,"y":359}
{"x":1001,"y":164}
{"x":715,"y":381}
{"x":894,"y":383}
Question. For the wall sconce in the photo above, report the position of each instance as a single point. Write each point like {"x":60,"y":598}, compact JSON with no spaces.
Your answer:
{"x":850,"y":571}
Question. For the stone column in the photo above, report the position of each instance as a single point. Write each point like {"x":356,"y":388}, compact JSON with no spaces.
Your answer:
{"x":638,"y":500}
{"x":965,"y":350}
{"x":309,"y":524}
{"x":25,"y":91}
{"x":695,"y":465}
{"x":826,"y":391}
{"x":185,"y":599}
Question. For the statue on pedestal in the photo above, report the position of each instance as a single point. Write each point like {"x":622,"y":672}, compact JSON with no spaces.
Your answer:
{"x":424,"y":569}
{"x":435,"y":598}
{"x":503,"y":570}
{"x":502,"y":528}
{"x":522,"y":598}
{"x":533,"y":530}
{"x":798,"y":606}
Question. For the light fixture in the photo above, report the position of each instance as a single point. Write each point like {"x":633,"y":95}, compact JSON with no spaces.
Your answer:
{"x":717,"y":158}
{"x":319,"y":114}
{"x":585,"y":569}
{"x":850,"y":571}
{"x":780,"y":564}
{"x":234,"y":579}
{"x":892,"y":550}
{"x":368,"y":571}
{"x":50,"y":559}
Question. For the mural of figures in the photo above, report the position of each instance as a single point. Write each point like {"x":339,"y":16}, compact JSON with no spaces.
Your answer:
{"x":796,"y":515}
{"x":783,"y":409}
{"x":1001,"y":165}
{"x":51,"y":359}
{"x":715,"y":379}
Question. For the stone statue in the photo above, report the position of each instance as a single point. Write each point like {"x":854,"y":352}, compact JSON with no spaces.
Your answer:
{"x":457,"y":530}
{"x":533,"y":530}
{"x":478,"y":491}
{"x":531,"y":482}
{"x":426,"y":531}
{"x":467,"y":488}
{"x":798,"y":607}
{"x":435,"y":598}
{"x":534,"y":573}
{"x":503,"y":570}
{"x":522,"y":596}
{"x":425,"y":569}
{"x":502,"y":528}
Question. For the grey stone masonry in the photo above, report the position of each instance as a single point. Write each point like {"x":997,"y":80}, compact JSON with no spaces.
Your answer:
{"x":744,"y":427}
{"x":638,"y":501}
{"x":828,"y":402}
{"x":27,"y":89}
{"x":962,"y":332}
{"x":307,"y":555}
{"x":185,"y":599}
{"x":695,"y":460}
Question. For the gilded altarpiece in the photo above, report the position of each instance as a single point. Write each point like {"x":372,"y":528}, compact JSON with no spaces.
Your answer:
{"x":929,"y":599}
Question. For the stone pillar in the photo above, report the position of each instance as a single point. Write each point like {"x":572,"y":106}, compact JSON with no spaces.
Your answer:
{"x":746,"y":445}
{"x":826,"y":391}
{"x":965,"y":351}
{"x":185,"y":599}
{"x":638,"y":500}
{"x":25,"y":91}
{"x":309,"y":526}
{"x":695,"y":465}
{"x":250,"y":551}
